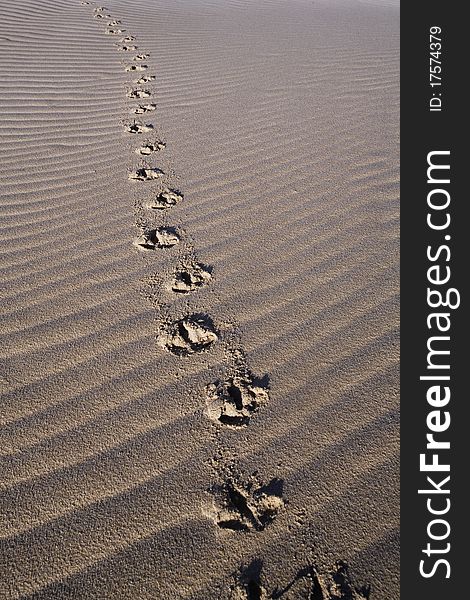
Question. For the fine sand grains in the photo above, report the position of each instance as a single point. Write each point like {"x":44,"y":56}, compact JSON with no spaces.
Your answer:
{"x":231,"y":403}
{"x":241,"y":503}
{"x":200,"y":310}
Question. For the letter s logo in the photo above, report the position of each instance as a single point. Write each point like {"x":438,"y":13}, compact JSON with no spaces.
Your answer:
{"x":434,"y":569}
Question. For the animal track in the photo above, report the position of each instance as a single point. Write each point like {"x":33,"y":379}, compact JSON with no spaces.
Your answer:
{"x":144,"y":108}
{"x":139,"y":127}
{"x":189,"y":277}
{"x":163,"y":237}
{"x":146,"y":79}
{"x":165,"y":199}
{"x":146,"y":174}
{"x":139,"y":94}
{"x":246,"y":506}
{"x":148,"y":148}
{"x":337,"y":585}
{"x":307,"y":584}
{"x":190,"y":335}
{"x":234,"y":401}
{"x":334,"y":585}
{"x":248,"y":583}
{"x":136,"y":67}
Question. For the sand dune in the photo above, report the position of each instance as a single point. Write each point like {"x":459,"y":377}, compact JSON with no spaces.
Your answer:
{"x":199,"y":327}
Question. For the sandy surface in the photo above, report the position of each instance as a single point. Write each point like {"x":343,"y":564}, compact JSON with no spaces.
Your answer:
{"x":199,"y":389}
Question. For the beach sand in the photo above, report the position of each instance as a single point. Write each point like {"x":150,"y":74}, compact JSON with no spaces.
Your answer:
{"x":200,"y":343}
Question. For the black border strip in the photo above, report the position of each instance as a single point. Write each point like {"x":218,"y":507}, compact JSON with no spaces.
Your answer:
{"x":424,"y":131}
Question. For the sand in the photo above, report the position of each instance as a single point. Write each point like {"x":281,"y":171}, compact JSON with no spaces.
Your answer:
{"x":212,"y":413}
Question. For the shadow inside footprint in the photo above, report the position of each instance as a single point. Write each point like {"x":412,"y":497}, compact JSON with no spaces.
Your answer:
{"x":136,"y":67}
{"x":307,"y":584}
{"x":333,"y":585}
{"x":145,"y":79}
{"x":233,"y":402}
{"x":139,"y":94}
{"x":190,"y":276}
{"x":144,"y":108}
{"x":248,"y":583}
{"x":139,"y":127}
{"x":246,"y":507}
{"x":162,"y":237}
{"x":189,"y":335}
{"x":149,"y":148}
{"x":341,"y":587}
{"x":146,"y":174}
{"x":165,"y":199}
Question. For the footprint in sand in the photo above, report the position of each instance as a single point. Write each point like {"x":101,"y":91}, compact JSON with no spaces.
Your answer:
{"x":189,"y":277}
{"x":150,"y":147}
{"x":146,"y":174}
{"x":131,"y":68}
{"x":127,"y":39}
{"x":165,"y":199}
{"x":307,"y":584}
{"x":100,"y":9}
{"x":247,"y":506}
{"x":234,"y":401}
{"x":139,"y":94}
{"x":333,"y":585}
{"x":144,"y":108}
{"x":141,"y":57}
{"x":127,"y":48}
{"x":139,"y":127}
{"x":189,"y":335}
{"x":114,"y":23}
{"x":247,"y":584}
{"x":163,"y":237}
{"x":337,"y":585}
{"x":114,"y":31}
{"x":99,"y":16}
{"x":145,"y":79}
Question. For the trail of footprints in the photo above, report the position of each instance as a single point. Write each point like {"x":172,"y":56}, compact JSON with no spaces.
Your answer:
{"x":244,"y":504}
{"x":229,"y":403}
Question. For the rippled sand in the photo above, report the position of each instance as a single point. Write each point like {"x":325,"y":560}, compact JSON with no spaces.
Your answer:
{"x":215,"y":410}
